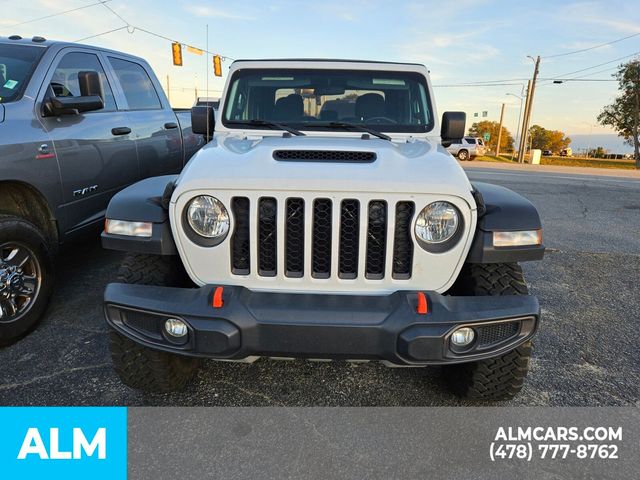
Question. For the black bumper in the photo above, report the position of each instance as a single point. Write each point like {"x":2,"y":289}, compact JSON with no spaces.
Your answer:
{"x":363,"y":327}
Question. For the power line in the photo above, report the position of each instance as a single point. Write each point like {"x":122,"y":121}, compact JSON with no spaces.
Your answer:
{"x":101,"y":34}
{"x":594,"y":47}
{"x":132,"y":28}
{"x":454,"y":85}
{"x":101,"y":2}
{"x":591,"y":67}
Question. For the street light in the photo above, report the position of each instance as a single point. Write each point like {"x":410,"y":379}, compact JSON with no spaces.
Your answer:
{"x":519,"y":115}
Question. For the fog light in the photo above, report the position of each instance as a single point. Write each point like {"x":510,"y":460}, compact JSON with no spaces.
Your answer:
{"x":175,"y":328}
{"x":463,"y":337}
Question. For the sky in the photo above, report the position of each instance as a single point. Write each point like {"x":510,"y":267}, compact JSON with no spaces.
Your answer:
{"x":459,"y":41}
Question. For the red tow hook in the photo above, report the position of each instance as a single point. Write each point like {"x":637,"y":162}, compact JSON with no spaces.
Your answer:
{"x":422,"y":309}
{"x":217,"y":297}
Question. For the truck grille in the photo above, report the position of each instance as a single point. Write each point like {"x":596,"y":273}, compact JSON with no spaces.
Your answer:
{"x":361,"y":230}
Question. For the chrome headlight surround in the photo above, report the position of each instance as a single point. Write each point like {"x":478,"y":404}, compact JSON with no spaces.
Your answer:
{"x":439,"y":211}
{"x":206,"y":221}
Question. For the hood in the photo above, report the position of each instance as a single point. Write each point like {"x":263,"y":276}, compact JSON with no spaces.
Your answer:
{"x":414,"y":166}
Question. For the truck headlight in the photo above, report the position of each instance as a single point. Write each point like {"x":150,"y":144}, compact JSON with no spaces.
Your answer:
{"x":208,"y":218}
{"x":438,"y":226}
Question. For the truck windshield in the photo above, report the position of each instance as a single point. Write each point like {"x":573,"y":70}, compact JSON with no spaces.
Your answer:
{"x":17,"y":63}
{"x":322,"y":98}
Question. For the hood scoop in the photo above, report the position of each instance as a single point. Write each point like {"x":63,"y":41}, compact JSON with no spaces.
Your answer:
{"x":324,"y":156}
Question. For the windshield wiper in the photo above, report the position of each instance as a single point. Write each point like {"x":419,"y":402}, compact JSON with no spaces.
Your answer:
{"x":352,"y":126}
{"x":265,"y":123}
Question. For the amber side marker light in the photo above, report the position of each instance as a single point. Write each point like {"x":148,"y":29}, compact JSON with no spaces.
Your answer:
{"x":521,"y":238}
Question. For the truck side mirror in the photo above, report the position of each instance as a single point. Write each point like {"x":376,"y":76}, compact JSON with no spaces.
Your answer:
{"x":89,"y":83}
{"x":452,"y":128}
{"x":75,"y":105}
{"x":203,"y":120}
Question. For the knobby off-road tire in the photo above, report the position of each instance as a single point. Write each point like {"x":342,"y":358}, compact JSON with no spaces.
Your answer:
{"x":140,"y":367}
{"x":498,"y":378}
{"x":26,"y":277}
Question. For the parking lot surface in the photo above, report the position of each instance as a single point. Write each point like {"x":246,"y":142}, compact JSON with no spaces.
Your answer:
{"x":585,"y":353}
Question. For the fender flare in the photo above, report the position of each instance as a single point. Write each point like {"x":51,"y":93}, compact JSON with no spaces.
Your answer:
{"x":501,"y":209}
{"x":144,"y":201}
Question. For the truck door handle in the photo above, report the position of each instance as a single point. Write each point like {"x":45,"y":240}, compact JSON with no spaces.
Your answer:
{"x":170,"y":125}
{"x":120,"y":131}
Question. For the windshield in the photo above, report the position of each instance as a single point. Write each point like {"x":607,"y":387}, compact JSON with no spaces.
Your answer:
{"x":380,"y":100}
{"x":17,"y":63}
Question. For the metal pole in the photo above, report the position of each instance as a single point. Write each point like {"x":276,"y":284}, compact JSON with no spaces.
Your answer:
{"x":521,"y":143}
{"x":168,"y":90}
{"x":525,"y":126}
{"x":500,"y":131}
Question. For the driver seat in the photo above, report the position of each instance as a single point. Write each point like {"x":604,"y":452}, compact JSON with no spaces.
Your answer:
{"x":370,"y":105}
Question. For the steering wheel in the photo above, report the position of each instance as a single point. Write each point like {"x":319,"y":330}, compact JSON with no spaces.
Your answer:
{"x":380,"y":120}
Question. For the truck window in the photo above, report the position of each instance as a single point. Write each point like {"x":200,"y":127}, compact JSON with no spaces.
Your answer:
{"x":17,"y":63}
{"x":390,"y":101}
{"x":136,"y":84}
{"x":471,"y":141}
{"x":65,"y":78}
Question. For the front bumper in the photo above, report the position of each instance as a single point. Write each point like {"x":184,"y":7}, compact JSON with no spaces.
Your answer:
{"x":356,"y":327}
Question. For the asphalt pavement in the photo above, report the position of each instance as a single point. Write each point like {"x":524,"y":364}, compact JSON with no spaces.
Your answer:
{"x":586,"y":351}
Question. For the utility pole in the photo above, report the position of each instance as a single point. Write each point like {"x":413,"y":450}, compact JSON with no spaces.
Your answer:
{"x":527,"y":110}
{"x":168,"y":90}
{"x":500,"y":131}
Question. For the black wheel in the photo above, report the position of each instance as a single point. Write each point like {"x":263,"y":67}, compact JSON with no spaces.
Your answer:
{"x":26,"y":277}
{"x":140,"y":367}
{"x":498,"y":378}
{"x":463,"y":155}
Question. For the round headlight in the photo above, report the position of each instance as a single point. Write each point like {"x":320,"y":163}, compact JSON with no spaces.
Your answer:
{"x":437,"y":223}
{"x":208,"y":217}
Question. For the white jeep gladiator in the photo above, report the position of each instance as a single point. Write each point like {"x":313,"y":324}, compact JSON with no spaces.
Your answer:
{"x":324,"y":219}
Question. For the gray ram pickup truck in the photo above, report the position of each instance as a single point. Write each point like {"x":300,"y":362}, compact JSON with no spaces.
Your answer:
{"x":77,"y":124}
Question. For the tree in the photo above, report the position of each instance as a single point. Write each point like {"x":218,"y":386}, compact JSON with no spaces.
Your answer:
{"x":544,"y":139}
{"x":598,"y":152}
{"x":478,"y":129}
{"x":624,"y":113}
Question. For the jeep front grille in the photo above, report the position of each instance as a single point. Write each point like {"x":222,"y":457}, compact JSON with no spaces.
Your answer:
{"x":347,"y":238}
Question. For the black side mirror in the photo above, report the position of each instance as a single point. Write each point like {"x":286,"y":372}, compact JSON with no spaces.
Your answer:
{"x":452,"y":128}
{"x":89,"y":83}
{"x":203,"y":120}
{"x":75,"y":105}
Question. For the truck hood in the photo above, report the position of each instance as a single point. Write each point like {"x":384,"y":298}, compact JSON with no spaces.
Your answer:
{"x":413,"y":166}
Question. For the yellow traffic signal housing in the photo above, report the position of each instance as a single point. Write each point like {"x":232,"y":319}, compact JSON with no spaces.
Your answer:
{"x":176,"y":50}
{"x":217,"y":65}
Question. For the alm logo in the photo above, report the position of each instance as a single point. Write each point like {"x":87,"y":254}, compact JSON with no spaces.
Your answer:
{"x":34,"y":445}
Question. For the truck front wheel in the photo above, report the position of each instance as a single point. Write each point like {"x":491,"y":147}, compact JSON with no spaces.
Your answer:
{"x":498,"y":378}
{"x":140,"y":367}
{"x":26,"y":277}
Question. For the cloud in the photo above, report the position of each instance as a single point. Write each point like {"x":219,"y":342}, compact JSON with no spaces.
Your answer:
{"x":213,"y":12}
{"x":602,"y":14}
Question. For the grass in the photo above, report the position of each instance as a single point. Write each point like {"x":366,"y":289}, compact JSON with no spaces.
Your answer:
{"x":567,"y":162}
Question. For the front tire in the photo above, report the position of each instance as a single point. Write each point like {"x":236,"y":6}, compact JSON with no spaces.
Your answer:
{"x":141,"y":367}
{"x":502,"y":377}
{"x":26,"y":277}
{"x":463,"y":155}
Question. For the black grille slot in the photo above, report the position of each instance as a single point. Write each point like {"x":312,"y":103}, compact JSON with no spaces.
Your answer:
{"x":402,"y":244}
{"x":240,"y":252}
{"x":497,"y":333}
{"x":376,"y":239}
{"x":349,"y":235}
{"x":321,"y":243}
{"x":323,"y":156}
{"x":144,"y":323}
{"x":267,"y":237}
{"x":294,"y":238}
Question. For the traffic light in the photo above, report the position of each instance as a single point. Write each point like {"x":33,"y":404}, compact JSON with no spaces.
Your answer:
{"x":217,"y":65}
{"x":176,"y":50}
